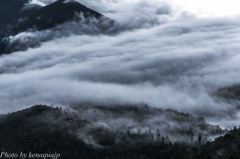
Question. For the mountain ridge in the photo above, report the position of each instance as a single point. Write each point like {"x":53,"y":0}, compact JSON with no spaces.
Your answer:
{"x":37,"y":18}
{"x":47,"y":129}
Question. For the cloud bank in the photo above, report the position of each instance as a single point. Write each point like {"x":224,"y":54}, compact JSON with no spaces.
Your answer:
{"x":164,"y":59}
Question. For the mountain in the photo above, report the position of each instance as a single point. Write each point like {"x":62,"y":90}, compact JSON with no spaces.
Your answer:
{"x":53,"y":14}
{"x":97,"y":132}
{"x":18,"y":16}
{"x":230,"y":92}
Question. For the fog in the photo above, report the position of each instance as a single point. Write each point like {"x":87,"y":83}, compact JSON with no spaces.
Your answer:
{"x":135,"y":119}
{"x":159,"y":56}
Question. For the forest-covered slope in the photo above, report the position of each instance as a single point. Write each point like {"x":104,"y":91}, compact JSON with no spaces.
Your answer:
{"x":43,"y":129}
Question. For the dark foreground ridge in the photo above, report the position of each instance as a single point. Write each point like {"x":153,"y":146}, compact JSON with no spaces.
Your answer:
{"x":43,"y":129}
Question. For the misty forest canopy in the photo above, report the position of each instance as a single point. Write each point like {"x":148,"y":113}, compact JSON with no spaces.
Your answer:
{"x":74,"y":133}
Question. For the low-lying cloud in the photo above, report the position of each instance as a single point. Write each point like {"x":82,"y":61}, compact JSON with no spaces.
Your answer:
{"x":177,"y":64}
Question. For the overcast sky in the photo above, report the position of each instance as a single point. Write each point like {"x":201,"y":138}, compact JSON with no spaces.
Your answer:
{"x":208,"y":8}
{"x":167,"y":56}
{"x":203,"y":8}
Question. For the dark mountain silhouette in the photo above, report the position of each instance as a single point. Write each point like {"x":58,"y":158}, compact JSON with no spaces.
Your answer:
{"x":53,"y":14}
{"x":16,"y":17}
{"x":230,"y":92}
{"x":9,"y":10}
{"x":12,"y":11}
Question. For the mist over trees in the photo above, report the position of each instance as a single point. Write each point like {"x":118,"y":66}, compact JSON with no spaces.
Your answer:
{"x":47,"y":129}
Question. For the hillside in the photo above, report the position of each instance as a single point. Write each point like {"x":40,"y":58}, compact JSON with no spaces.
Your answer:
{"x":224,"y":147}
{"x":230,"y":92}
{"x":74,"y":133}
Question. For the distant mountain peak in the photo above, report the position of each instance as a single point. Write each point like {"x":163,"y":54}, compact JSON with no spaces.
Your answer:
{"x":24,"y":15}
